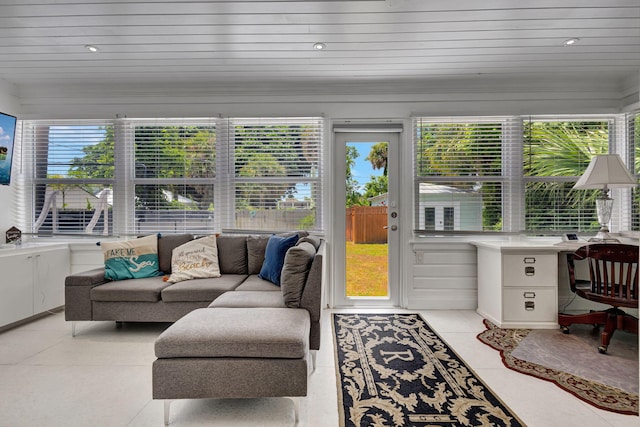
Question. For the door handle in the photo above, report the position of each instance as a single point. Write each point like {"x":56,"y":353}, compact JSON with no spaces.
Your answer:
{"x":393,"y":227}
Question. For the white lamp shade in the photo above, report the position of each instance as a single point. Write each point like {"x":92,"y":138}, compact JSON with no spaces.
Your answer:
{"x":604,"y":171}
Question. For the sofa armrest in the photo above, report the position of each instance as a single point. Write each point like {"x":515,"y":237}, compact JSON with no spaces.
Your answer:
{"x":87,"y":278}
{"x":312,"y":296}
{"x":77,"y":289}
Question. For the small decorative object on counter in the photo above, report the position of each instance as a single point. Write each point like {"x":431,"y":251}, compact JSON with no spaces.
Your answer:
{"x":14,"y":235}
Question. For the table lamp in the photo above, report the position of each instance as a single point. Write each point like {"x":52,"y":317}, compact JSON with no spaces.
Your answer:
{"x":604,"y":172}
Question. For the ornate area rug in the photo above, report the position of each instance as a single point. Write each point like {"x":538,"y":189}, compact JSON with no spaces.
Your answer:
{"x":393,"y":370}
{"x":573,"y":368}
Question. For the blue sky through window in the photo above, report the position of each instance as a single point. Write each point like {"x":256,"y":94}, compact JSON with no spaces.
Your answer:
{"x":67,"y":142}
{"x":362,"y":171}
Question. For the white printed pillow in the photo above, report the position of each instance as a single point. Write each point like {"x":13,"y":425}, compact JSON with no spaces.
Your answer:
{"x":131,"y":259}
{"x":197,"y":259}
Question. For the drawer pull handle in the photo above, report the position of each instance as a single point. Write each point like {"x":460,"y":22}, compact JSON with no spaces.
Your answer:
{"x":529,"y":295}
{"x":529,"y":260}
{"x":530,"y":271}
{"x":529,"y":305}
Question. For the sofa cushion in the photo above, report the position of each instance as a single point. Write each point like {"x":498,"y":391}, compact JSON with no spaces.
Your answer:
{"x":274,"y":257}
{"x":232,"y":254}
{"x":256,"y":245}
{"x":314,"y":240}
{"x":236,"y":332}
{"x":131,"y":259}
{"x":255,"y":283}
{"x":296,"y":266}
{"x":197,"y":259}
{"x":201,"y":289}
{"x":166,"y":244}
{"x":249,"y":299}
{"x":143,"y":289}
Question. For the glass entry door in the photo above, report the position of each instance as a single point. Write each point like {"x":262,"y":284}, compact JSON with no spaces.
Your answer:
{"x":366,"y":219}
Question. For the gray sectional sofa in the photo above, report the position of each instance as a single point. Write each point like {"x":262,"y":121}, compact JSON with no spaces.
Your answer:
{"x":89,"y":296}
{"x":234,"y":336}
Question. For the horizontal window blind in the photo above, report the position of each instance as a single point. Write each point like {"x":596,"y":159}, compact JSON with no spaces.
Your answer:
{"x":197,"y":175}
{"x":459,"y":166}
{"x":633,"y":136}
{"x":557,"y":151}
{"x":275,"y":182}
{"x":172,"y":163}
{"x":517,"y":173}
{"x":67,"y":175}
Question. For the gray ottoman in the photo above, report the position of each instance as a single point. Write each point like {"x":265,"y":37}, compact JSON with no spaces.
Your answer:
{"x":234,"y":353}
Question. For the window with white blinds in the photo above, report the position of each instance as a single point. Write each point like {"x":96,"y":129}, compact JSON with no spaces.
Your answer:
{"x":276,"y":173}
{"x":458,"y":173}
{"x":517,"y":174}
{"x":66,"y":176}
{"x":137,"y":176}
{"x":173,"y":163}
{"x":633,"y":136}
{"x":557,"y":151}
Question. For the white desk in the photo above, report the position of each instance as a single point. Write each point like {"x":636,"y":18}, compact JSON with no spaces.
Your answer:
{"x":518,"y":280}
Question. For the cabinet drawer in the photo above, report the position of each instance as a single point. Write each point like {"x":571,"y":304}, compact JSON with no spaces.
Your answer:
{"x":530,"y":270}
{"x":530,"y":304}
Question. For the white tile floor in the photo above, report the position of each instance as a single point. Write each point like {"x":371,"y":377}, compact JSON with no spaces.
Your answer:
{"x":102,"y":377}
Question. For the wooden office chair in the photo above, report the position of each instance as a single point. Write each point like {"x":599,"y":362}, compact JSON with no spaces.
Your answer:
{"x":613,"y":280}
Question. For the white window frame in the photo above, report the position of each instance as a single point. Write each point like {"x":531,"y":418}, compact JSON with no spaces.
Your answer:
{"x":513,"y":180}
{"x":124,"y":182}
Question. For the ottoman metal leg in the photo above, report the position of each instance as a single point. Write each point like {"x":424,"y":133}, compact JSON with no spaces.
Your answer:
{"x":300,"y":407}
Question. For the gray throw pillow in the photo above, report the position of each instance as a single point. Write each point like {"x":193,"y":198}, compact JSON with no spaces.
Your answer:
{"x":297,"y":263}
{"x":166,"y":244}
{"x":232,"y":254}
{"x":256,"y":246}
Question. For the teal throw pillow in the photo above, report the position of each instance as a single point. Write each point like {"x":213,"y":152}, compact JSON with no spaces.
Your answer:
{"x":277,"y":248}
{"x":131,"y":259}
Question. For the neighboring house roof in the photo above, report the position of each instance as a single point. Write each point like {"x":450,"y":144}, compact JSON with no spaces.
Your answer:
{"x":379,"y":200}
{"x":74,"y":198}
{"x":168,"y":195}
{"x":428,"y":188}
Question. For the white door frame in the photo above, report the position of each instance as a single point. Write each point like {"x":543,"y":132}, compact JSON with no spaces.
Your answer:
{"x":337,"y":229}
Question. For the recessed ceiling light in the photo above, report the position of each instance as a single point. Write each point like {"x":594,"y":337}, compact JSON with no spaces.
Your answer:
{"x":571,"y":41}
{"x":91,"y":48}
{"x":319,"y":46}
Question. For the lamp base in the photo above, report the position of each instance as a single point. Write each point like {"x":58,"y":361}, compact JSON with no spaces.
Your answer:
{"x":603,"y":237}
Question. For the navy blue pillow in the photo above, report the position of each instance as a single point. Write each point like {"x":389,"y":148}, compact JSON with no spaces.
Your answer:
{"x":277,"y":248}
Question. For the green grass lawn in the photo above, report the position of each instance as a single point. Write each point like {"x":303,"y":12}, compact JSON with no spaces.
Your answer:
{"x":367,"y":270}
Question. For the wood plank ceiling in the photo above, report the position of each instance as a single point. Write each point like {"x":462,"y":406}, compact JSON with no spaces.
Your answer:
{"x":43,"y":41}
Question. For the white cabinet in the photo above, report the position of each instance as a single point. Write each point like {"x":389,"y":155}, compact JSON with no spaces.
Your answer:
{"x":32,"y":282}
{"x":16,"y":292}
{"x":518,"y":286}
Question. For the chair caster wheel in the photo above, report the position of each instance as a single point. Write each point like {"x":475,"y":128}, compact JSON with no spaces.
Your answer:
{"x":602,"y":349}
{"x":565,"y":329}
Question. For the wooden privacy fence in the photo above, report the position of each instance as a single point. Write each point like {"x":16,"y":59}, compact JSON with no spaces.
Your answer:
{"x":365,"y":224}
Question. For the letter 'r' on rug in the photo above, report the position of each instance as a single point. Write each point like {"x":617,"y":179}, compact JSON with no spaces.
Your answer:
{"x":394,"y":370}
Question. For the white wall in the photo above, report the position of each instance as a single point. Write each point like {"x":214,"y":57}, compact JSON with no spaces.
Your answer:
{"x":9,"y":104}
{"x":358,"y":100}
{"x":353,"y":100}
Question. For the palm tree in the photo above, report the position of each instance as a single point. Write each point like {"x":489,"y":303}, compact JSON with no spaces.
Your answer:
{"x":562,"y":149}
{"x":378,"y":156}
{"x":557,"y":150}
